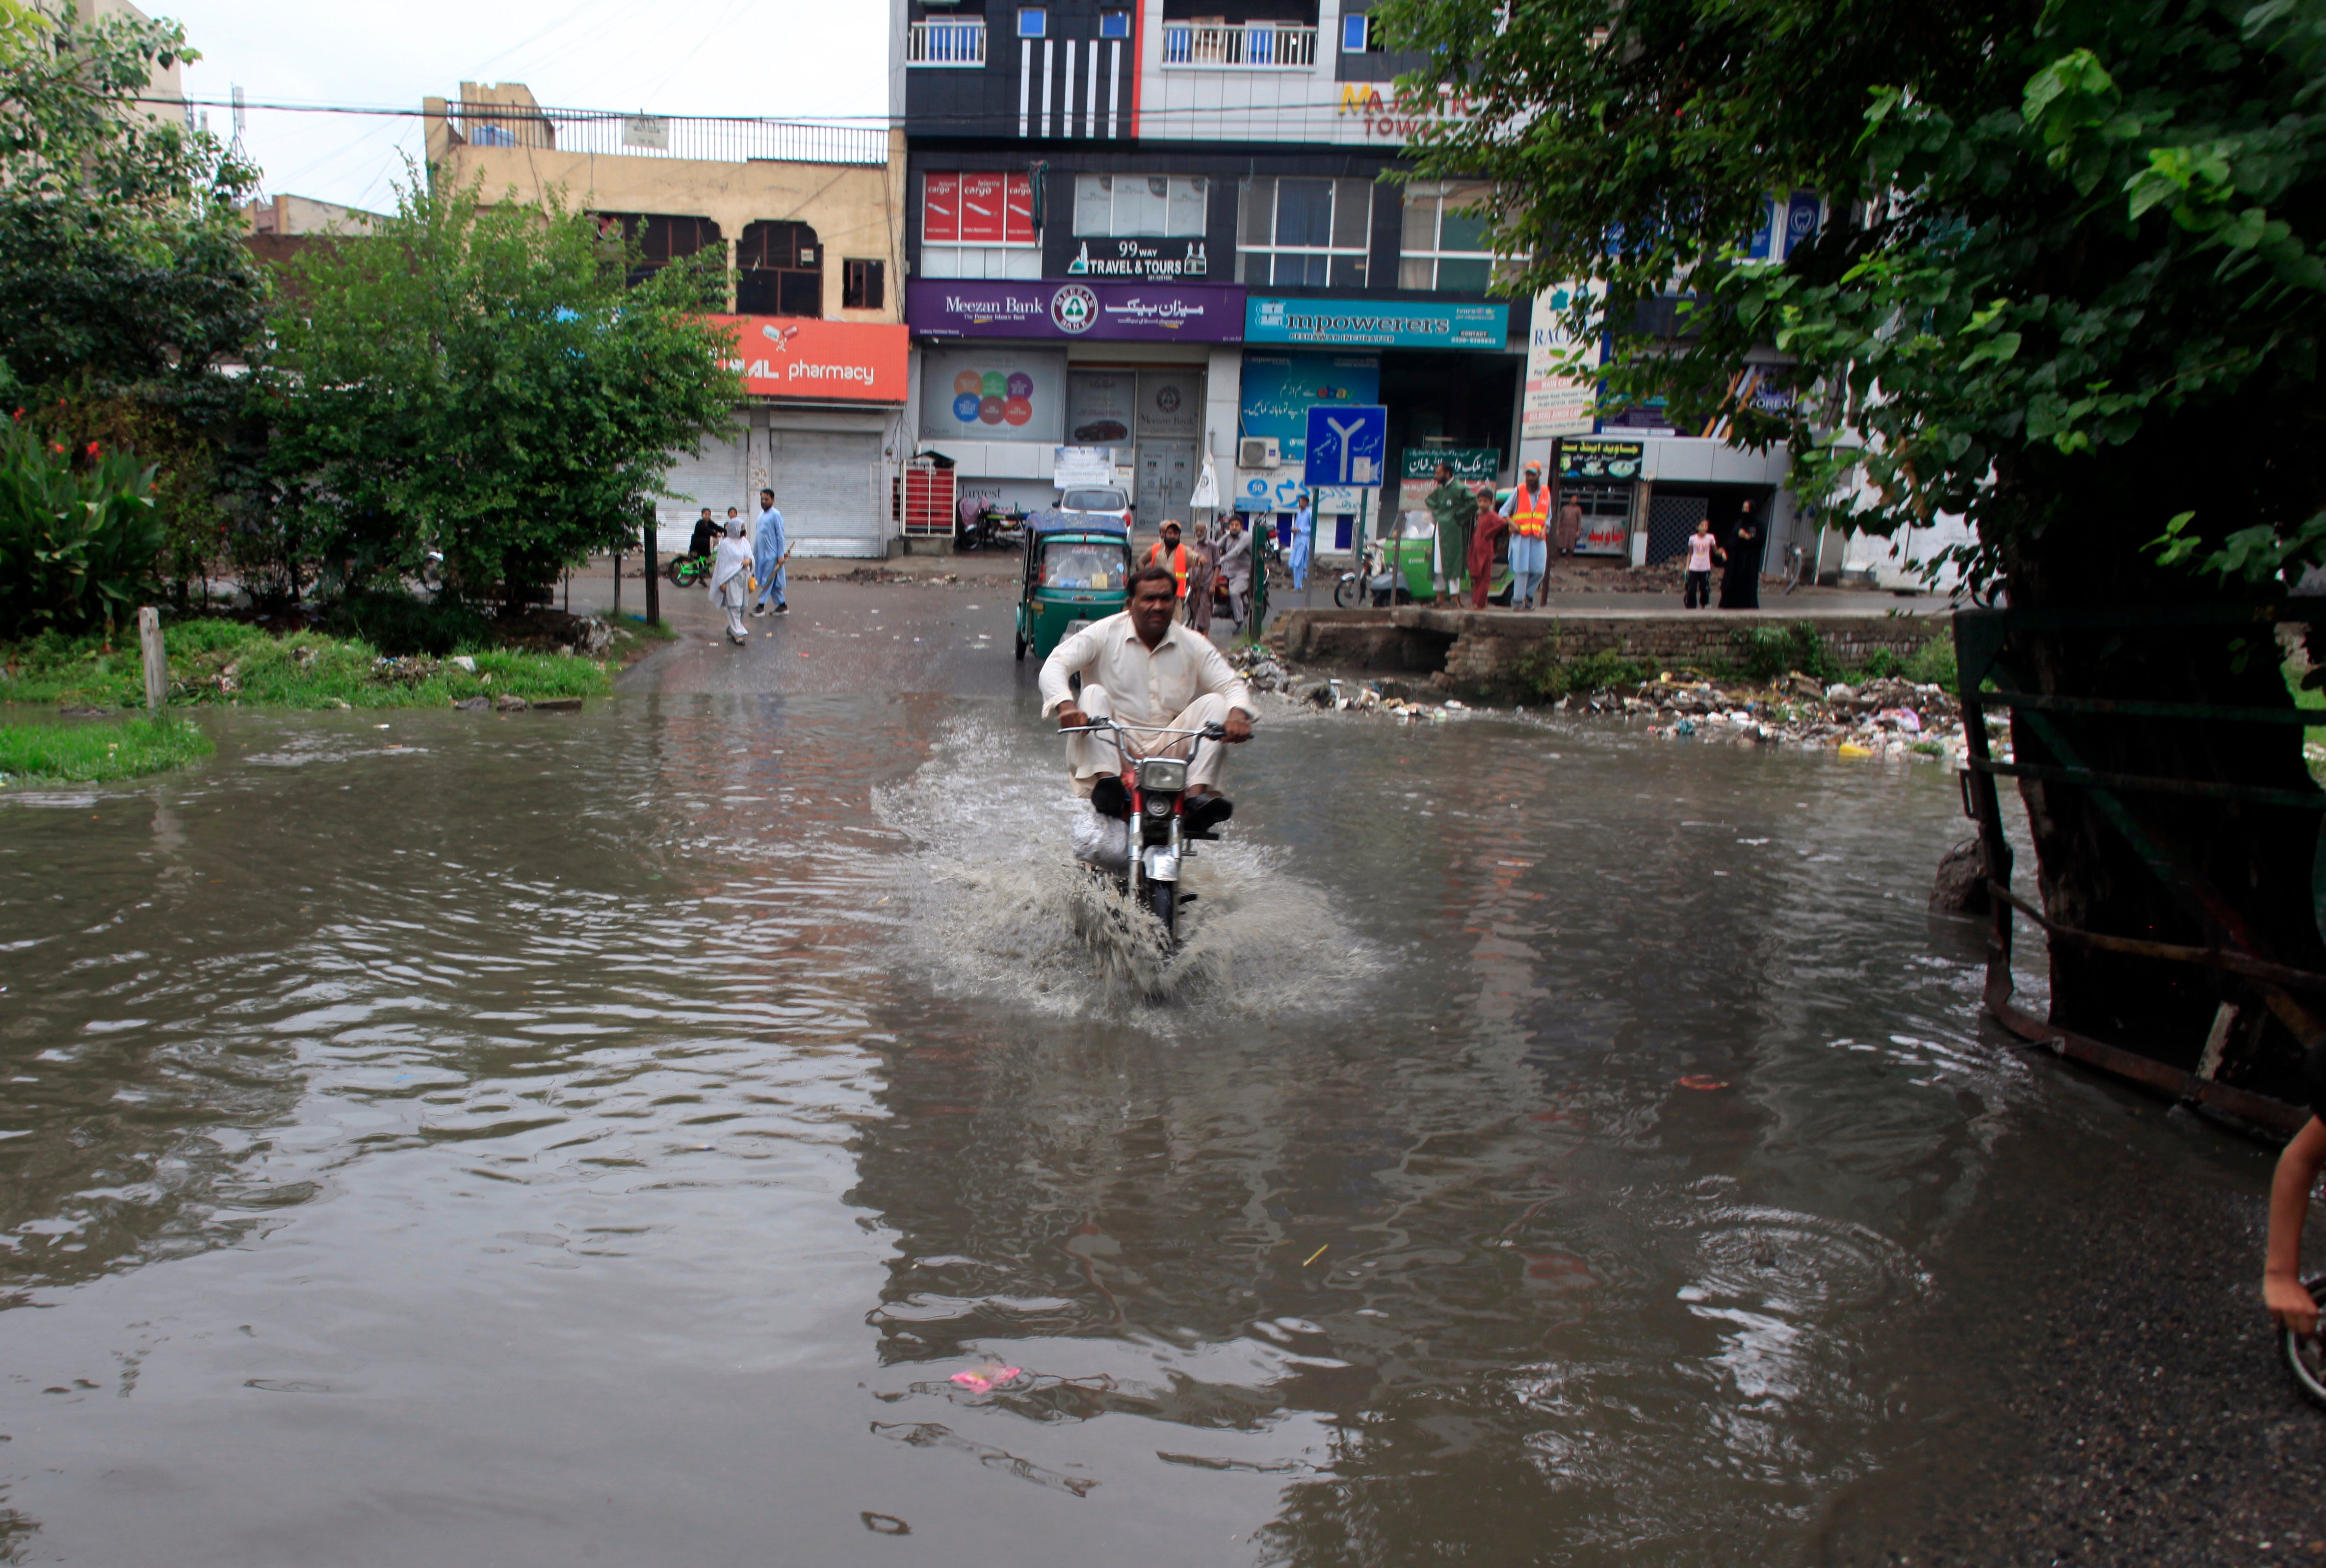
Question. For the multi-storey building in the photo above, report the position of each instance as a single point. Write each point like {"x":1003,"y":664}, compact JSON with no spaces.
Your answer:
{"x":1170,"y":226}
{"x":803,"y":218}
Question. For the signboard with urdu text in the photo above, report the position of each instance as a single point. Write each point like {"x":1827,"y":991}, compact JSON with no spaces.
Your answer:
{"x":1376,"y":323}
{"x":1150,"y":312}
{"x":1279,"y":388}
{"x":1347,"y":446}
{"x":1599,"y":461}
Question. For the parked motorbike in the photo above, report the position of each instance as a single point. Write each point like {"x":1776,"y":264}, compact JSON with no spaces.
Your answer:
{"x":1142,"y":850}
{"x":992,"y":527}
{"x":1370,"y":583}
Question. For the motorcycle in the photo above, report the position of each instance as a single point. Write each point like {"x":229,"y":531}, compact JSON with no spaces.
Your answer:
{"x":1142,"y":850}
{"x":1370,"y":584}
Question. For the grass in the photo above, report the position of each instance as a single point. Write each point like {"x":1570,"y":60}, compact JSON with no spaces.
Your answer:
{"x":96,"y":753}
{"x":222,"y":661}
{"x":1763,"y":654}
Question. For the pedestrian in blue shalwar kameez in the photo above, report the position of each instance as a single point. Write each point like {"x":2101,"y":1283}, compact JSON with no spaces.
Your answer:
{"x":768,"y":556}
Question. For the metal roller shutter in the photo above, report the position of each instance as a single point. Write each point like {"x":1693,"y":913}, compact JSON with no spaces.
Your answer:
{"x":716,"y":478}
{"x":823,"y":485}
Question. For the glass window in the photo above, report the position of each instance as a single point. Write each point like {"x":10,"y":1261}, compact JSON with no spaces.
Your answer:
{"x":1353,"y":34}
{"x":1031,"y":21}
{"x":1085,"y":563}
{"x":1443,"y":247}
{"x":1154,"y":206}
{"x":1114,"y":25}
{"x":979,"y":226}
{"x":1304,"y":233}
{"x":1093,"y":500}
{"x":864,"y":283}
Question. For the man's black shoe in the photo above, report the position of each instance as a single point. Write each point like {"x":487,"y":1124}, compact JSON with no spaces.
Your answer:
{"x":1202,"y":816}
{"x":1110,"y":799}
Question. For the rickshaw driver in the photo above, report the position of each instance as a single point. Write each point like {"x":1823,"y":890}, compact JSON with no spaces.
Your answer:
{"x":1146,"y":670}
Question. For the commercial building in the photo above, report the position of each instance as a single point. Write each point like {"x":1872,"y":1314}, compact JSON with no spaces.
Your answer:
{"x":1133,"y":226}
{"x":804,"y":218}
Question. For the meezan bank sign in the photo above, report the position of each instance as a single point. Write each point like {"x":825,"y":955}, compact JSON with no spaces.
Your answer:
{"x":816,"y":361}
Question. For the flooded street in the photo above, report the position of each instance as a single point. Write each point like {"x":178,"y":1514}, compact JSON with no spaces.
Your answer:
{"x":652,"y":1135}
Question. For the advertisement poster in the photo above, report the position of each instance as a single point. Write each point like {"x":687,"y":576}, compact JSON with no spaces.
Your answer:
{"x":1132,"y":312}
{"x":1555,"y":404}
{"x":826,"y":361}
{"x":1170,"y":403}
{"x":1279,"y":388}
{"x":998,"y":395}
{"x":1418,"y":470}
{"x":1100,"y":407}
{"x":1599,"y":461}
{"x":1376,"y":323}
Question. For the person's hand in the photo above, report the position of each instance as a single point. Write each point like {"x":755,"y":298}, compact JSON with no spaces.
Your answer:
{"x":2290,"y":1306}
{"x":1071,"y":718}
{"x":1238,"y":726}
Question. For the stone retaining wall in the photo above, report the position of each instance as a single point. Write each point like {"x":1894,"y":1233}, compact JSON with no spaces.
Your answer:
{"x":1480,"y":649}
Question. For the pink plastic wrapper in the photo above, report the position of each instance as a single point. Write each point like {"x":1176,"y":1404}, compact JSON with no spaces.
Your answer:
{"x":985,"y":1378}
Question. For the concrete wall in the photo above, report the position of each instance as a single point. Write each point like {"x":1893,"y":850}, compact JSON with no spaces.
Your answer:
{"x":1482,"y":649}
{"x":855,"y":210}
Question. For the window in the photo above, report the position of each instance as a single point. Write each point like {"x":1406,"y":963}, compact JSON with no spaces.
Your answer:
{"x":1143,"y":206}
{"x":1354,"y":33}
{"x":1114,"y":25}
{"x":1445,"y":247}
{"x":661,"y":239}
{"x":864,"y":283}
{"x":1304,"y":233}
{"x":779,"y":270}
{"x":979,"y":226}
{"x":1032,"y":20}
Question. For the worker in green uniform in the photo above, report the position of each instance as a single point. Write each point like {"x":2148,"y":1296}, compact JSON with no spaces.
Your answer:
{"x":1452,"y":509}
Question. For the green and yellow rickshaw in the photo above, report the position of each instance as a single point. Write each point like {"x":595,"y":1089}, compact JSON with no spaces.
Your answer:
{"x":1075,"y":563}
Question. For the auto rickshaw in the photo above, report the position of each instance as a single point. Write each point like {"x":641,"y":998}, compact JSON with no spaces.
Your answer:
{"x":1408,"y":558}
{"x":1076,"y":565}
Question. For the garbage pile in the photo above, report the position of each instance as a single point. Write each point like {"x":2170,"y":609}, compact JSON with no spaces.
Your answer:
{"x":1884,"y":717}
{"x":1260,"y":667}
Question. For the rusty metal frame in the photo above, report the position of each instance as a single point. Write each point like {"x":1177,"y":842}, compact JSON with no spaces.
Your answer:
{"x":2233,"y":946}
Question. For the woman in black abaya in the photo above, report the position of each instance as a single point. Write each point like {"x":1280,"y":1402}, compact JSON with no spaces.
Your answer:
{"x":1740,"y":585}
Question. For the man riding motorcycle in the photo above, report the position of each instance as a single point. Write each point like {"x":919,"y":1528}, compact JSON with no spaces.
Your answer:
{"x":1145,"y":671}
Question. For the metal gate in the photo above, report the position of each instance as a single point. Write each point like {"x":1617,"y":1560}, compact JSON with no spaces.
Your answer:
{"x":1671,"y":520}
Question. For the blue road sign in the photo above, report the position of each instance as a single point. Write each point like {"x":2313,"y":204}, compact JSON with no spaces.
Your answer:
{"x":1347,"y":443}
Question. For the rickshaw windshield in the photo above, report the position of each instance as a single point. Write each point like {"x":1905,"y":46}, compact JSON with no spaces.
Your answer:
{"x":1416,"y":525}
{"x":1084,"y":563}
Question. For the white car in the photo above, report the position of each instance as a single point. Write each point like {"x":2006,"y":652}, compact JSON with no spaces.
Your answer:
{"x":1098,"y":500}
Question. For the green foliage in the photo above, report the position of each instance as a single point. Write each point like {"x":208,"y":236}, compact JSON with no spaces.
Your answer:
{"x":2069,"y":245}
{"x":221,"y":660}
{"x":78,"y":534}
{"x":1933,"y":664}
{"x":125,"y":283}
{"x":121,"y":254}
{"x":35,"y":754}
{"x":398,"y":623}
{"x":1768,"y":653}
{"x":479,"y":377}
{"x":1550,"y":677}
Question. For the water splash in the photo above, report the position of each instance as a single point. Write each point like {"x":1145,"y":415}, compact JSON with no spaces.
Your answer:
{"x":998,"y":907}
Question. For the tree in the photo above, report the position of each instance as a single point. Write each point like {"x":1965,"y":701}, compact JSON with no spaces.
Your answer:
{"x":2071,"y":287}
{"x":124,"y":286}
{"x":477,"y":376}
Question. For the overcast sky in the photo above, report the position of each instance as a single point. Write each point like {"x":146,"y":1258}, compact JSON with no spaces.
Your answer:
{"x":774,"y":58}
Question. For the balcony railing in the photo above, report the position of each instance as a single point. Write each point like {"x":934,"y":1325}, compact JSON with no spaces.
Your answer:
{"x":712,"y":138}
{"x":946,"y":44}
{"x":1252,"y":46}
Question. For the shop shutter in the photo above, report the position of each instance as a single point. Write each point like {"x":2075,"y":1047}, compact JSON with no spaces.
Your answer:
{"x":715,"y":478}
{"x":823,"y":487}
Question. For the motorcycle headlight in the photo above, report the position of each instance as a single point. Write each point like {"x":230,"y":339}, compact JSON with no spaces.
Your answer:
{"x":1165,"y":773}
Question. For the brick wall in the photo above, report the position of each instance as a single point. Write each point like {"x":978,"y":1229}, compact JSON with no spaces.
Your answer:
{"x":1484,"y":649}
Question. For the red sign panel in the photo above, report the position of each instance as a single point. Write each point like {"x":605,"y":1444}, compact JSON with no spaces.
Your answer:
{"x":827,"y":361}
{"x":977,"y":209}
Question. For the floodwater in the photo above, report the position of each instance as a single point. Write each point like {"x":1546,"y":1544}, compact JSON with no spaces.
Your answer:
{"x":558,"y":1139}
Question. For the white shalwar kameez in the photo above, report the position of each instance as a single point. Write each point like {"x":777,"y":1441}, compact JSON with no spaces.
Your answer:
{"x":731,"y":579}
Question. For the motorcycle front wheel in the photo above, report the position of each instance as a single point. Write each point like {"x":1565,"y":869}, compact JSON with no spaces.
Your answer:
{"x":1345,"y":593}
{"x":1163,"y":897}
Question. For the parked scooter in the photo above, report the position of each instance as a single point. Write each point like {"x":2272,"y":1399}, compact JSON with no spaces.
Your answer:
{"x":1142,"y":847}
{"x":1370,"y":583}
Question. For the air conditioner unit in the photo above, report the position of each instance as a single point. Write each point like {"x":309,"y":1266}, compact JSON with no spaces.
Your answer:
{"x":1257,"y":452}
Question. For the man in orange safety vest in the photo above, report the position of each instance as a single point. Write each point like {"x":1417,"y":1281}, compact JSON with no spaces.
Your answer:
{"x":1529,"y":537}
{"x":1170,"y":552}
